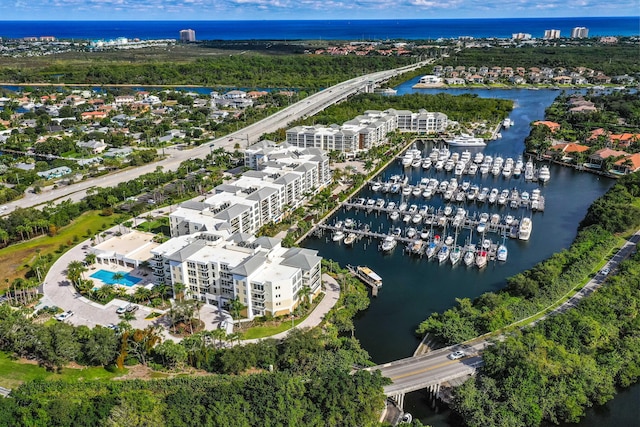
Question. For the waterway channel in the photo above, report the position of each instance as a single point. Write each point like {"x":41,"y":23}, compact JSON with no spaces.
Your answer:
{"x":414,"y":288}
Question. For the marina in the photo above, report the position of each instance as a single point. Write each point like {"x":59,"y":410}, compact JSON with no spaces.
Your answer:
{"x":414,"y":287}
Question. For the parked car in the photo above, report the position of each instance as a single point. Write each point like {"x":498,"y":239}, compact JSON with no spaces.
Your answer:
{"x":123,"y":309}
{"x":112,"y":327}
{"x":64,"y":316}
{"x":605,"y":271}
{"x":131,"y":308}
{"x":457,"y":355}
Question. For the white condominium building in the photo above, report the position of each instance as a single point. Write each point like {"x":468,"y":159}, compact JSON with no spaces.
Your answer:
{"x":265,"y":277}
{"x":579,"y":33}
{"x":365,"y":131}
{"x":257,"y":198}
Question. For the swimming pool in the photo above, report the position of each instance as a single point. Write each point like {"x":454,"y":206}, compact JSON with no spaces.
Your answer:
{"x":107,"y":277}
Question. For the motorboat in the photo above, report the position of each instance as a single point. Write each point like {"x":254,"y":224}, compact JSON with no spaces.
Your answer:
{"x":402,"y":207}
{"x":406,"y":191}
{"x":459,"y":169}
{"x":376,"y":186}
{"x":482,"y":223}
{"x":448,"y":210}
{"x":348,"y":222}
{"x":337,"y":235}
{"x":507,"y":123}
{"x":481,"y":259}
{"x":443,"y":254}
{"x":493,"y":195}
{"x":413,"y":209}
{"x":528,"y":170}
{"x":544,"y":174}
{"x":535,"y":194}
{"x":502,"y":253}
{"x":484,"y":169}
{"x":417,"y":191}
{"x":417,"y":246}
{"x":455,"y":255}
{"x":371,"y":203}
{"x":444,"y":154}
{"x":394,"y":216}
{"x":473,"y":169}
{"x":502,"y":199}
{"x":428,"y":192}
{"x":448,"y":240}
{"x":407,"y":159}
{"x":411,"y":232}
{"x":507,"y":170}
{"x":449,"y":165}
{"x":351,"y":237}
{"x":460,"y":196}
{"x":416,"y":163}
{"x":495,"y":219}
{"x":508,"y":219}
{"x":448,"y":194}
{"x":486,"y":244}
{"x":465,"y":140}
{"x":525,"y":229}
{"x":406,"y":218}
{"x":443,"y":186}
{"x":434,"y":155}
{"x":426,"y":163}
{"x":391,"y":206}
{"x":482,"y":196}
{"x":432,"y":248}
{"x":380,"y":203}
{"x":424,"y":234}
{"x":439,"y":165}
{"x":388,"y":243}
{"x":465,"y":185}
{"x":524,"y":197}
{"x":417,"y":218}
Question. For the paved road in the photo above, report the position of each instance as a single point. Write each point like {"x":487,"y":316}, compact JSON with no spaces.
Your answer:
{"x":417,"y":372}
{"x":248,"y":135}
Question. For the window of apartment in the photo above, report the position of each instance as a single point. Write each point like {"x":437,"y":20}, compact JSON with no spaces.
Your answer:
{"x":191,"y":264}
{"x":193,"y":280}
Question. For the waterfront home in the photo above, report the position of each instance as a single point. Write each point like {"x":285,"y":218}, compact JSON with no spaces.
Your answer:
{"x":92,"y":146}
{"x":553,"y":126}
{"x":596,"y":159}
{"x":628,"y":164}
{"x":569,"y":150}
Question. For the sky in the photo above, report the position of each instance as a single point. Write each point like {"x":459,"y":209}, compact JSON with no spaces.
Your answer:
{"x":307,"y":9}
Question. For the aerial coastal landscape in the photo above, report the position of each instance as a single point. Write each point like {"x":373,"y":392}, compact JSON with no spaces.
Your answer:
{"x":296,"y":214}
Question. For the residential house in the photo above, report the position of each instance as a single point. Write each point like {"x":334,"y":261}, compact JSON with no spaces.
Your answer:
{"x":55,"y":173}
{"x":628,"y":164}
{"x":553,"y":126}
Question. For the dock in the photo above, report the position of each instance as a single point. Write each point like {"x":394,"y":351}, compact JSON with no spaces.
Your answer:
{"x":367,"y":279}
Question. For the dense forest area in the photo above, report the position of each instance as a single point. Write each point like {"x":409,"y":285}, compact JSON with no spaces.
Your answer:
{"x":555,"y":370}
{"x":328,"y":397}
{"x":613,"y":60}
{"x":535,"y":289}
{"x":246,"y":71}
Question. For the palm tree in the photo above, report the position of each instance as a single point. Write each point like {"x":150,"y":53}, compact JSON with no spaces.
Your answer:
{"x":75,"y":271}
{"x":90,"y":258}
{"x":178,"y":289}
{"x":161,"y":289}
{"x":236,"y":307}
{"x":305,"y":295}
{"x":117,"y":277}
{"x":142,"y":294}
{"x":104,"y":292}
{"x":4,"y":236}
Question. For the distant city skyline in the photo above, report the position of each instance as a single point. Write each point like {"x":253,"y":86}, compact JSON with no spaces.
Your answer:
{"x":140,"y":10}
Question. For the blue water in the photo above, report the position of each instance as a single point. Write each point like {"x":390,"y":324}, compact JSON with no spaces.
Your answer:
{"x":320,"y":29}
{"x":107,"y":277}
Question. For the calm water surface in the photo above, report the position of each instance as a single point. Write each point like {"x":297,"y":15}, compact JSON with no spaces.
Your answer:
{"x":414,"y":288}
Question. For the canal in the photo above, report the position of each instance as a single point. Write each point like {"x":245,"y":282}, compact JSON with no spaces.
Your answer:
{"x":414,"y":287}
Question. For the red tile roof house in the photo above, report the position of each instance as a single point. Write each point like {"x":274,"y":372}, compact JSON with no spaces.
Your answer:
{"x":596,"y":159}
{"x":628,"y":164}
{"x":93,"y":115}
{"x":625,"y":139}
{"x":551,"y":125}
{"x":568,"y":149}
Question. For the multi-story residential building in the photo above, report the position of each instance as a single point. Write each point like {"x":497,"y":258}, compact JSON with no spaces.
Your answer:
{"x":521,"y":36}
{"x":187,"y":35}
{"x":286,"y":177}
{"x":579,"y":33}
{"x":551,"y":34}
{"x":259,"y":272}
{"x":365,"y":131}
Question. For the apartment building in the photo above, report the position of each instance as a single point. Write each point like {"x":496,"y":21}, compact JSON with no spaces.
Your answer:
{"x":263,"y":275}
{"x":551,"y":34}
{"x":579,"y":33}
{"x":287,"y":177}
{"x":365,"y":131}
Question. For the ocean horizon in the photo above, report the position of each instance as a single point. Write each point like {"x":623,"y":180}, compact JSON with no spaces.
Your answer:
{"x":378,"y":29}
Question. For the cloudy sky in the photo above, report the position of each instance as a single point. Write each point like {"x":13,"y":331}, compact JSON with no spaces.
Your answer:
{"x":306,"y":9}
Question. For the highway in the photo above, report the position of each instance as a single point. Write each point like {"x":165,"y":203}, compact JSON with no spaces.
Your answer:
{"x":418,"y":372}
{"x":246,"y":136}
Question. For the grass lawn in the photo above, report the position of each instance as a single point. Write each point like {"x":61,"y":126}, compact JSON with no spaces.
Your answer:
{"x":16,"y":258}
{"x":267,"y":331}
{"x":14,"y":372}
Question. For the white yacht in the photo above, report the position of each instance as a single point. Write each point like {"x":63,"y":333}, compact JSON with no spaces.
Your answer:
{"x":544,"y":174}
{"x":455,"y":255}
{"x":478,"y":158}
{"x":528,"y":170}
{"x":393,"y":216}
{"x":388,"y":244}
{"x":465,"y":140}
{"x":502,"y":253}
{"x":337,"y":235}
{"x":376,"y":186}
{"x":351,"y":237}
{"x":525,"y":229}
{"x":426,"y":163}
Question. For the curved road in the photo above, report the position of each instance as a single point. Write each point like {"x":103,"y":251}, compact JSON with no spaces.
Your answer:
{"x":418,"y":372}
{"x":248,"y":135}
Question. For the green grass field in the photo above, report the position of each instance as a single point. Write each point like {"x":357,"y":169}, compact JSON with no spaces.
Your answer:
{"x":15,"y":372}
{"x":17,"y":257}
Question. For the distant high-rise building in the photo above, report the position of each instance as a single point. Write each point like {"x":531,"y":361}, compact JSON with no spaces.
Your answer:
{"x":580,"y":33}
{"x":551,"y":34}
{"x":521,"y":36}
{"x":187,"y":36}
